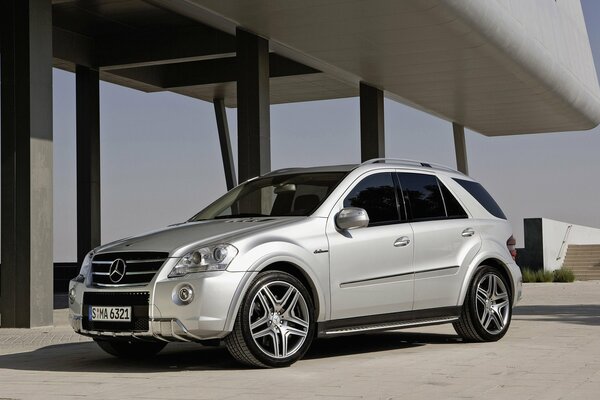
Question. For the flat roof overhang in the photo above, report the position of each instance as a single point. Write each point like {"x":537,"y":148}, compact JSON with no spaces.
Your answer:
{"x":467,"y":62}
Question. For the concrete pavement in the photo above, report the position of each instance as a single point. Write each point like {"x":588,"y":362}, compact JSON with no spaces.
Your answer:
{"x":552,"y":351}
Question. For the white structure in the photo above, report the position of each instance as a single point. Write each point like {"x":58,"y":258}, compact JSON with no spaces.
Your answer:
{"x":559,"y":235}
{"x":498,"y":67}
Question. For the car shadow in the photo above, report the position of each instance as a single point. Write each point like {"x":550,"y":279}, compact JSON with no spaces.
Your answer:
{"x":87,"y":356}
{"x":580,"y":314}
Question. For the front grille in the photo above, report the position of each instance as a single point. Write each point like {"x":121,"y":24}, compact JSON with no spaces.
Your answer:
{"x":139,"y":302}
{"x":137,"y":268}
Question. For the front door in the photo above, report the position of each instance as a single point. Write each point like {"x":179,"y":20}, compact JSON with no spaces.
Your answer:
{"x":371,"y":268}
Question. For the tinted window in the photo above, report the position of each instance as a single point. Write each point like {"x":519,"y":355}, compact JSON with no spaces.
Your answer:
{"x":482,"y":196}
{"x":377,"y":195}
{"x":453,"y":207}
{"x":423,"y":194}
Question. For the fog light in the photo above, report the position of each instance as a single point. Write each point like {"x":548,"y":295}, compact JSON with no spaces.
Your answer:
{"x":183,"y":294}
{"x":72,"y":295}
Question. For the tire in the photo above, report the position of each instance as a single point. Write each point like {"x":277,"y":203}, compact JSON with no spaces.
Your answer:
{"x":275,"y":323}
{"x":486,"y":313}
{"x":130,"y":349}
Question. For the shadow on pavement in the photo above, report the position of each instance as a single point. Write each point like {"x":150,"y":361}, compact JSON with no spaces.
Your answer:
{"x":87,"y":357}
{"x":581,"y":314}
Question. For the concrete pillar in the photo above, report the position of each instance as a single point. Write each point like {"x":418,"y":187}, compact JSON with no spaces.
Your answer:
{"x":372,"y":131}
{"x":253,"y":103}
{"x":26,"y":271}
{"x":225,"y":143}
{"x":460,"y":147}
{"x":88,"y":160}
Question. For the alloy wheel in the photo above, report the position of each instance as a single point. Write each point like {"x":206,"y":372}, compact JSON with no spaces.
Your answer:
{"x":492,"y":303}
{"x":279,"y":319}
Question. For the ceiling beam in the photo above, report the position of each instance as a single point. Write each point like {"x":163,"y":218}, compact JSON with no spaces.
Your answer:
{"x":141,"y":49}
{"x":158,"y":47}
{"x":170,"y":76}
{"x":72,"y":47}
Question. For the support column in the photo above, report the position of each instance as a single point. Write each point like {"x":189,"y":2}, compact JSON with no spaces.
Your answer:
{"x":372,"y":131}
{"x":225,"y":142}
{"x":253,"y":103}
{"x":460,"y":147}
{"x":26,"y":271}
{"x":88,"y":160}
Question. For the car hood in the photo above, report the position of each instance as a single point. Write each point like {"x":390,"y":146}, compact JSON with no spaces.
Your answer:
{"x":179,"y":239}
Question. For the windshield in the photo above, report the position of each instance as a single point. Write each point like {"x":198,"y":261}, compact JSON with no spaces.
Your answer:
{"x":276,"y":196}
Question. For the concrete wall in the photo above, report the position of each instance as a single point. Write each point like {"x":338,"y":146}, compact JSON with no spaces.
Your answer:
{"x":544,"y":248}
{"x":554,"y":233}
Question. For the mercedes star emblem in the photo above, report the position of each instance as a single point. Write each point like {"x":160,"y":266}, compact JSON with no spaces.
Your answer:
{"x":117,"y":270}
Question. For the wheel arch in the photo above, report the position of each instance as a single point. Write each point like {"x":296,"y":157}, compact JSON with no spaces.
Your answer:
{"x":290,"y":266}
{"x":301,"y":275}
{"x":493,"y":262}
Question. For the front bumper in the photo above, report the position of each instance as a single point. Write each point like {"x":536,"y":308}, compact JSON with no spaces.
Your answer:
{"x":208,"y":316}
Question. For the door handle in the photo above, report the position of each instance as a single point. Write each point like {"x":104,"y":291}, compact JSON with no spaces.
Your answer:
{"x":402,"y":241}
{"x":468,"y":232}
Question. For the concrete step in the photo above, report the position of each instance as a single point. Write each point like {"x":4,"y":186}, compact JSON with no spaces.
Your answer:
{"x":585,"y":277}
{"x":591,"y":260}
{"x":585,"y":270}
{"x":580,"y":253}
{"x":586,"y":274}
{"x":571,"y":249}
{"x":568,"y":263}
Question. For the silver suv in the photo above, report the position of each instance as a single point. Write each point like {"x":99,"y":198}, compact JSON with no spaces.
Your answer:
{"x":303,"y":253}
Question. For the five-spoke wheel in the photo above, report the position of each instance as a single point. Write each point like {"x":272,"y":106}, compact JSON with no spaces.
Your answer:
{"x":487,"y":308}
{"x":492,"y":303}
{"x":279,"y":319}
{"x":274,"y":326}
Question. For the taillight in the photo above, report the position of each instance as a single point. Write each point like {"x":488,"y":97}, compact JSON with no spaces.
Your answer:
{"x":511,"y":243}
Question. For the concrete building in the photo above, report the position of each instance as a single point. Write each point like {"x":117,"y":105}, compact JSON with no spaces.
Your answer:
{"x":498,"y":67}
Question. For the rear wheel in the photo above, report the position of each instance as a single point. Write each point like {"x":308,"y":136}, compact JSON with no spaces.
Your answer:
{"x":487,"y":309}
{"x":275,"y":323}
{"x":130,"y":348}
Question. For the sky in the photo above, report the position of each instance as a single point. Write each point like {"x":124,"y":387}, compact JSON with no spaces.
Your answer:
{"x":160,"y":157}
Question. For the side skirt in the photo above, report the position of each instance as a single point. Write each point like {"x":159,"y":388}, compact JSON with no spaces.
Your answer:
{"x":382,"y":322}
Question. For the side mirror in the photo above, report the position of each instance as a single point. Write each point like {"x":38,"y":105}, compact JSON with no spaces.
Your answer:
{"x":352,"y":218}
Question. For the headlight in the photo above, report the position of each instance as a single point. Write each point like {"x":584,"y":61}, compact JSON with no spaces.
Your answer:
{"x":86,"y":266}
{"x":213,"y":258}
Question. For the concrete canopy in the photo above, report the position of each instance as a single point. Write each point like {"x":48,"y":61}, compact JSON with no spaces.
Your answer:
{"x":498,"y":67}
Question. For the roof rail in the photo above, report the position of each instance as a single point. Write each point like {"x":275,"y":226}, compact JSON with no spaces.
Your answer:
{"x":409,"y":162}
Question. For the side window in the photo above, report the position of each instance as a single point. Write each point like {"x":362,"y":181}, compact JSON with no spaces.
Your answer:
{"x":423,"y":194}
{"x":482,"y":196}
{"x":377,"y":195}
{"x":453,"y":207}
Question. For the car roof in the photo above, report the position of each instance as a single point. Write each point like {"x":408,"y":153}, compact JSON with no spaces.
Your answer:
{"x":376,"y":163}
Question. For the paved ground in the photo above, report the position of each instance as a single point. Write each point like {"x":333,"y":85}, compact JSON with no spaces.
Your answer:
{"x":552,"y":351}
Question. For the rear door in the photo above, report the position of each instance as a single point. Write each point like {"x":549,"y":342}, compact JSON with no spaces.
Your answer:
{"x":445,"y":240}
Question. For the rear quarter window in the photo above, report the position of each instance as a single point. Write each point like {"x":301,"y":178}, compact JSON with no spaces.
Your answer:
{"x":482,"y":196}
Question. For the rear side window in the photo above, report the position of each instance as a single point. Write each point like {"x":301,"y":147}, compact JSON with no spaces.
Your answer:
{"x":453,"y":207}
{"x":423,"y":194}
{"x":377,"y":195}
{"x":482,"y":196}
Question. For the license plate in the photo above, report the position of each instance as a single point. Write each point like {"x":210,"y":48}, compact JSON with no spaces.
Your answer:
{"x":110,"y":314}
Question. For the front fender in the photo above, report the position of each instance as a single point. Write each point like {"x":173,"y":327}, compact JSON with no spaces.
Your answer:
{"x":314,"y":267}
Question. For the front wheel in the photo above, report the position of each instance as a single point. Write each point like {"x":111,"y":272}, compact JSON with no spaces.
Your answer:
{"x":131,"y":349}
{"x":275,"y":323}
{"x":487,"y":309}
